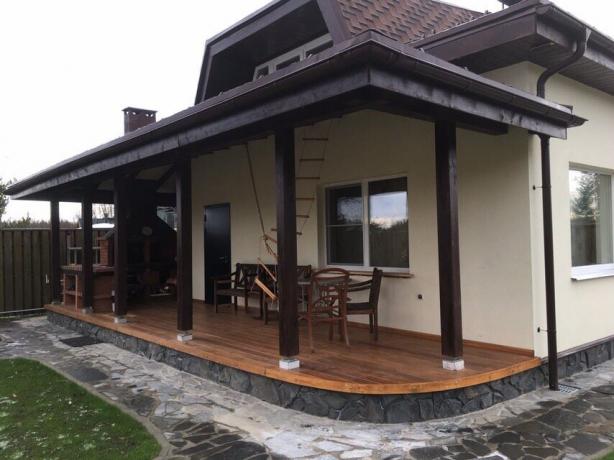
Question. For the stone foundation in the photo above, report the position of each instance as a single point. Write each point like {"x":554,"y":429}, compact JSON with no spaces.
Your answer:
{"x":346,"y":406}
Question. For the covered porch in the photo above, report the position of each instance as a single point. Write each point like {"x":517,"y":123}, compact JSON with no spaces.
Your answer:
{"x":354,"y":76}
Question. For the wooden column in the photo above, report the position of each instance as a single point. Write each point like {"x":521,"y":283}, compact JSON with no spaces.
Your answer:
{"x":183,"y":181}
{"x":449,"y":260}
{"x":56,"y":272}
{"x":87,"y":255}
{"x":120,"y":248}
{"x":285,"y":182}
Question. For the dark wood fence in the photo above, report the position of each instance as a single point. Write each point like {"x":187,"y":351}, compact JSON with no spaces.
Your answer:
{"x":25,"y":265}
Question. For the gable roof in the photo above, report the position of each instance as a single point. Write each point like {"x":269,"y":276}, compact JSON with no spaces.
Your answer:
{"x":403,"y":20}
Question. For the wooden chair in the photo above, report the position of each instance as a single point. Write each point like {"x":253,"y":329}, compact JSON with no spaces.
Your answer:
{"x":303,"y":273}
{"x":235,"y":285}
{"x":369,"y":307}
{"x":327,"y":302}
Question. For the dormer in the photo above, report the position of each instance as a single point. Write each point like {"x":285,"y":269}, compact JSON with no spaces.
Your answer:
{"x":274,"y":37}
{"x":286,"y":32}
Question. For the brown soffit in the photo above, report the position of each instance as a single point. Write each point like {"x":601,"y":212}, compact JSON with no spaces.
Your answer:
{"x":538,"y":8}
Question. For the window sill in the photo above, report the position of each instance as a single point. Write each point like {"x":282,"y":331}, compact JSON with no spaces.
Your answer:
{"x":591,"y":273}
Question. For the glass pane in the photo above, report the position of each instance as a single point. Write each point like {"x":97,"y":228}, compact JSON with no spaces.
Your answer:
{"x":388,"y":231}
{"x":345,"y":245}
{"x":591,"y":218}
{"x":344,"y":205}
{"x":288,"y":62}
{"x":262,"y":72}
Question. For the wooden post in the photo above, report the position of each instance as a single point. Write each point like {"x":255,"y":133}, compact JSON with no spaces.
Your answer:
{"x":120,"y":248}
{"x":286,"y":248}
{"x":87,"y":255}
{"x":449,"y":259}
{"x":56,"y":272}
{"x":183,"y":182}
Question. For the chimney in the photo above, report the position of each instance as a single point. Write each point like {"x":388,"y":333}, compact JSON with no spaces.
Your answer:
{"x":137,"y":118}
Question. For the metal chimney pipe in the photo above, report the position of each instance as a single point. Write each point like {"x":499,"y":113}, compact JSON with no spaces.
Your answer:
{"x":137,"y":118}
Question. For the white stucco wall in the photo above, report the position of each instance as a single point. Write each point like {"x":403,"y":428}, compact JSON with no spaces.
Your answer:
{"x":585,"y":309}
{"x":494,"y":205}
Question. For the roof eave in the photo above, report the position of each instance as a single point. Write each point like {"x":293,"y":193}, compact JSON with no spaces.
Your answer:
{"x":427,"y":65}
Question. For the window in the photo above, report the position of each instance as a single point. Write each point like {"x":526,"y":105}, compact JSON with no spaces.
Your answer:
{"x":291,"y":57}
{"x":287,"y":62}
{"x":366,"y":224}
{"x":591,"y":220}
{"x":261,"y":72}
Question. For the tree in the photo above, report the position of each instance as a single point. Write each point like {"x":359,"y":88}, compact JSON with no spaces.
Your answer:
{"x":103,"y":211}
{"x":585,"y":204}
{"x":4,"y":199}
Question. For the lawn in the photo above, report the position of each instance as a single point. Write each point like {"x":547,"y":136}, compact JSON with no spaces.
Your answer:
{"x":44,"y":415}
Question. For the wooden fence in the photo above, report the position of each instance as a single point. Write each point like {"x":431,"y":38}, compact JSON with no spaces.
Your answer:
{"x":25,"y":265}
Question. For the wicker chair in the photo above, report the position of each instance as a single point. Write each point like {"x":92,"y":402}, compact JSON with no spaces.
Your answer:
{"x":327,"y":303}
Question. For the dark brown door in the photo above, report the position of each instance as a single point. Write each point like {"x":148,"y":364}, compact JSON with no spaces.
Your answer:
{"x":217,"y":246}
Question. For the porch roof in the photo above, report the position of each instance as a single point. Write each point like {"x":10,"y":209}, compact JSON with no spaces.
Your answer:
{"x":367,"y":71}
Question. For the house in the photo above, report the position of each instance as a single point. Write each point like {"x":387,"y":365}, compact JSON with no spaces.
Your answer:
{"x":466,"y":154}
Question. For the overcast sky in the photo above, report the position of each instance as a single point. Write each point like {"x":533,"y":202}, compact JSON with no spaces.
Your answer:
{"x":70,"y":66}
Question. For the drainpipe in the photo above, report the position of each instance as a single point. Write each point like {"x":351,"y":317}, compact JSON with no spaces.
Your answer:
{"x":553,"y":370}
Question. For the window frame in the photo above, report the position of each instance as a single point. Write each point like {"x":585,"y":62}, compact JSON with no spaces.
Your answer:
{"x":364,"y":185}
{"x":595,"y":271}
{"x":300,"y":52}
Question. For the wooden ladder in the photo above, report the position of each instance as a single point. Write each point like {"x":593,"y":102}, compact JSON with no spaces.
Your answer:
{"x":309,"y":172}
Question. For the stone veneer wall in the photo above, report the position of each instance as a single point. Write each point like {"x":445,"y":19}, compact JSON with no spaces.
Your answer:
{"x":347,"y":406}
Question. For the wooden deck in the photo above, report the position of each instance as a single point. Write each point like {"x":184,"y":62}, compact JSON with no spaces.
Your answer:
{"x":398,"y":363}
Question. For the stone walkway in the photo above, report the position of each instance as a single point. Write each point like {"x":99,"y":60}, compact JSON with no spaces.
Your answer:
{"x":197,"y":419}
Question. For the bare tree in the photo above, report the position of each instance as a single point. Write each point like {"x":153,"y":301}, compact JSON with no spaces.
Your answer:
{"x":103,"y":211}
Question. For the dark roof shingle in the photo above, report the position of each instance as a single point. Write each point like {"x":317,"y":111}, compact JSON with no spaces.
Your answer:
{"x":404,"y":20}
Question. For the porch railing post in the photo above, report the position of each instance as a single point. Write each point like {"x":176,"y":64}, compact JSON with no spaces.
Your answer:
{"x":183,"y":182}
{"x":449,"y":258}
{"x":56,"y":272}
{"x":286,"y":247}
{"x":120,"y":248}
{"x":87,"y":255}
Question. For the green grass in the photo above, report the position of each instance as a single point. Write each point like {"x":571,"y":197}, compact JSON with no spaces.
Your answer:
{"x":609,"y":457}
{"x":46,"y":416}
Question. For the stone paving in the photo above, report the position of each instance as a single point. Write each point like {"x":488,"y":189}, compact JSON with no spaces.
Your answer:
{"x":196,"y":418}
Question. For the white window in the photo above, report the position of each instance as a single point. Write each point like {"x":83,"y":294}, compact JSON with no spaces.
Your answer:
{"x":592,"y":240}
{"x":367,"y":224}
{"x":291,"y":57}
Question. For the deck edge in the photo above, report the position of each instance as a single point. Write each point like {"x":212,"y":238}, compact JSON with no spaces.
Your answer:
{"x":400,"y":408}
{"x":296,"y":378}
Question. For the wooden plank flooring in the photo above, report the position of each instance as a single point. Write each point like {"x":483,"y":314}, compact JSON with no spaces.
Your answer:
{"x":398,"y":363}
